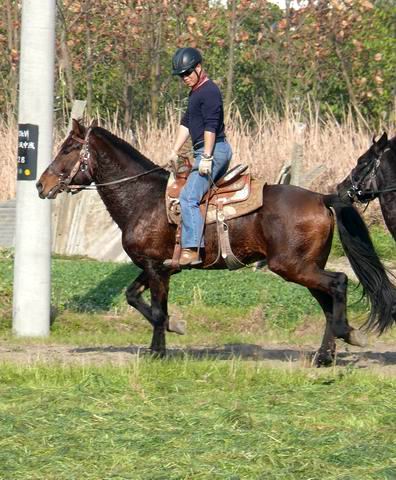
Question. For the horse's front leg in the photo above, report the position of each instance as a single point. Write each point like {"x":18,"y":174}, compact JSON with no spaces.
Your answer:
{"x":157,"y":312}
{"x":134,"y":298}
{"x":159,"y":289}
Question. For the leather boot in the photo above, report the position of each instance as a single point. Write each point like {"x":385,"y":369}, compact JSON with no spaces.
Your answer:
{"x":189,"y":257}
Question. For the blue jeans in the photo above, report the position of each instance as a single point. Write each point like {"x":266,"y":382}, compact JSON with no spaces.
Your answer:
{"x":194,"y":190}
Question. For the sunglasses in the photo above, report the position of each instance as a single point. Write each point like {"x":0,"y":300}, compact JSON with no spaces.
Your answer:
{"x":187,"y":72}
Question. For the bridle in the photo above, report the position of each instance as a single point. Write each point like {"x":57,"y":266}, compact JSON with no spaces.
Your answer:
{"x":369,"y":180}
{"x":84,"y":165}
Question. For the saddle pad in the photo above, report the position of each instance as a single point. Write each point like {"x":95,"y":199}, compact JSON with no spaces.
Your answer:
{"x":232,"y":210}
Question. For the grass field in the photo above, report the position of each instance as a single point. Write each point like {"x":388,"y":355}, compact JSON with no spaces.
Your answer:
{"x":163,"y":420}
{"x":220,"y":307}
{"x":190,"y":417}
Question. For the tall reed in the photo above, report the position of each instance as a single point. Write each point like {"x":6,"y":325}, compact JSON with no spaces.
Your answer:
{"x":265,"y":143}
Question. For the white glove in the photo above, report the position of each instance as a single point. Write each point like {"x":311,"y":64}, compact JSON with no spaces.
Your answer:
{"x":205,"y":165}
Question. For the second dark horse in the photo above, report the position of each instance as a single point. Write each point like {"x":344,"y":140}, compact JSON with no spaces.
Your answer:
{"x":293,"y":231}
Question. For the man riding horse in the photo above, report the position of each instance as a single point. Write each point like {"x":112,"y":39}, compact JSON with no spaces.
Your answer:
{"x":204,"y":122}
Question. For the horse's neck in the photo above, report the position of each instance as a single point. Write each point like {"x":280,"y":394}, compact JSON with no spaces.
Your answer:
{"x":388,"y":199}
{"x":387,"y":171}
{"x":124,"y":199}
{"x":112,"y":164}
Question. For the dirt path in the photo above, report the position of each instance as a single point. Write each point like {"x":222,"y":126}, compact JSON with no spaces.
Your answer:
{"x":380,"y":357}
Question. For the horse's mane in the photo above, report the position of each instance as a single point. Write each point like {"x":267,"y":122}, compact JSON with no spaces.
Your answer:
{"x":125,"y":147}
{"x":392,"y":143}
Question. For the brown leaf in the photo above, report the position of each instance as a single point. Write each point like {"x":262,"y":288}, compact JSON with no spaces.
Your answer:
{"x":366,"y":4}
{"x":191,"y":20}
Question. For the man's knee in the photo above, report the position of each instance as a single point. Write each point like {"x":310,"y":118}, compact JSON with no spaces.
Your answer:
{"x":189,"y":198}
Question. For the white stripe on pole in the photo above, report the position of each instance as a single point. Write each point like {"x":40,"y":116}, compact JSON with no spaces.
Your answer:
{"x":32,"y":277}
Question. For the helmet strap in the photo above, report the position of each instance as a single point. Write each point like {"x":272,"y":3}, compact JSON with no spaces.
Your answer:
{"x":202,"y":77}
{"x":198,"y":77}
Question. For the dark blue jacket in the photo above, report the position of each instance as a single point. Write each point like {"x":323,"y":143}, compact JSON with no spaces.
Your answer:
{"x":204,"y":112}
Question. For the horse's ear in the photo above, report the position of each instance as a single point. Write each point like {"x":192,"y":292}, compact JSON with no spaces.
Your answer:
{"x":78,"y":128}
{"x":94,"y":123}
{"x":380,"y":144}
{"x":383,"y":141}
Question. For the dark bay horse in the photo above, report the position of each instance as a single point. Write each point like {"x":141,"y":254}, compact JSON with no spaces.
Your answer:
{"x":374,"y":176}
{"x":293,"y":231}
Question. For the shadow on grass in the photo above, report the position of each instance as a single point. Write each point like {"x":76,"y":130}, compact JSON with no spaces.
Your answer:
{"x":104,"y":295}
{"x":361,"y":359}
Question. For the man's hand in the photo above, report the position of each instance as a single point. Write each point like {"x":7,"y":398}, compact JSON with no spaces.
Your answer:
{"x":174,"y":161}
{"x":205,"y":165}
{"x":173,"y":157}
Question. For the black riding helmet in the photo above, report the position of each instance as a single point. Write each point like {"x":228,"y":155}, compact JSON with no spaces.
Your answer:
{"x":184,"y":59}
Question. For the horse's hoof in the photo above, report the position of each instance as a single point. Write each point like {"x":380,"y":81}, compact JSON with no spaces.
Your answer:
{"x":357,"y":338}
{"x":322,"y":359}
{"x":157,"y":353}
{"x":177,"y":326}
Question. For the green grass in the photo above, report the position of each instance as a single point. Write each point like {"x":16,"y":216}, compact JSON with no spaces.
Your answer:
{"x":383,"y":242}
{"x":186,"y":419}
{"x":89,"y":306}
{"x":88,"y":298}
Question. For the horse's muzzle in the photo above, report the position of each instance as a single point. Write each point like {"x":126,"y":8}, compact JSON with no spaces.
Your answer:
{"x":40,"y":189}
{"x":51,"y":194}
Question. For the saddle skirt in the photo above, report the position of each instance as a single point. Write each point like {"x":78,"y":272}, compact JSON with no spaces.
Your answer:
{"x":234,"y":195}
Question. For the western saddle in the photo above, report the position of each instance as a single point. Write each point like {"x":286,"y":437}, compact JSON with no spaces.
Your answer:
{"x":233,"y":187}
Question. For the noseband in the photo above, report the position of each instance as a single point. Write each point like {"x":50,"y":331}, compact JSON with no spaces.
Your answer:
{"x":83,"y":164}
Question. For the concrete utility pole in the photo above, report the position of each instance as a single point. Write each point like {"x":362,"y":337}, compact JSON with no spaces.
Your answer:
{"x":32,"y":272}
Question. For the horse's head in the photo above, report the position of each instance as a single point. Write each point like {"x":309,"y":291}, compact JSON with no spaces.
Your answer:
{"x":71,"y":164}
{"x":359,"y":182}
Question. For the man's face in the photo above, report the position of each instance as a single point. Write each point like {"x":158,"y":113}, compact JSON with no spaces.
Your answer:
{"x":191,"y":76}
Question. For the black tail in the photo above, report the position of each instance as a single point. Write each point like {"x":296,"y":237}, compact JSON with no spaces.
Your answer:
{"x":359,"y":249}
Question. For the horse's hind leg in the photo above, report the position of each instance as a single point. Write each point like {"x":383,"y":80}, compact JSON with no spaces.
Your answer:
{"x":340,"y":326}
{"x":333,"y":284}
{"x":326,"y":353}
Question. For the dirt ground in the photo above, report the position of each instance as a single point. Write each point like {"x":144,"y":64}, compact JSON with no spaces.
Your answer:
{"x":379,"y":357}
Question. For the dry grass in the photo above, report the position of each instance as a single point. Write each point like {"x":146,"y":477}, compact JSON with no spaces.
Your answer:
{"x":266,"y":145}
{"x":8,"y":155}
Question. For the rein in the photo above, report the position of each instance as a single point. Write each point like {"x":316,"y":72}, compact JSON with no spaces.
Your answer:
{"x":392,"y":188}
{"x":114,"y":182}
